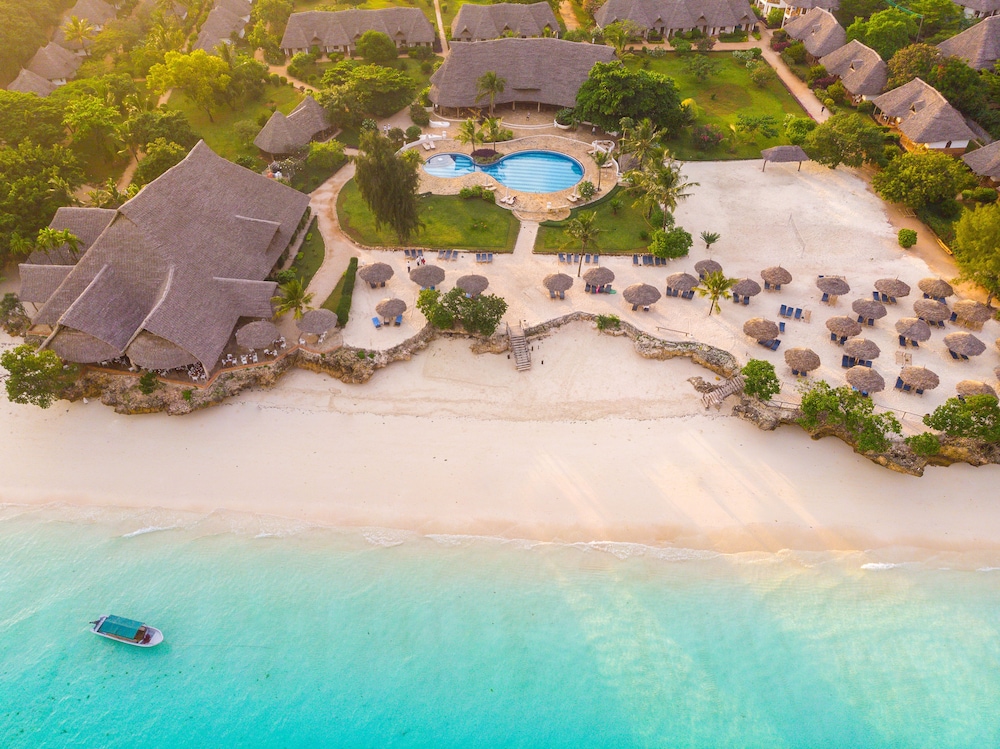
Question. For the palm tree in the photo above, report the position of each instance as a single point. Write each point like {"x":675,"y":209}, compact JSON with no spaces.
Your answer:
{"x":50,"y":239}
{"x":662,"y":185}
{"x":710,"y":238}
{"x":468,"y":133}
{"x":620,"y":33}
{"x":643,"y":141}
{"x":292,"y":298}
{"x":109,"y":196}
{"x":584,"y":229}
{"x":490,"y":85}
{"x":80,"y":31}
{"x":715,"y":286}
{"x":600,"y":158}
{"x":492,"y":130}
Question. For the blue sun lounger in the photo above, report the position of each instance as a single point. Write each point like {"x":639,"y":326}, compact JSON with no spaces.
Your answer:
{"x":376,"y":322}
{"x":399,"y":320}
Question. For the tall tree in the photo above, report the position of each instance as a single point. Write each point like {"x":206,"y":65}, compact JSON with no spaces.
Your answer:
{"x":493,"y":131}
{"x":584,"y":229}
{"x":35,"y":377}
{"x":848,"y":139}
{"x":468,"y":132}
{"x":80,"y":31}
{"x":715,"y":286}
{"x":160,"y":155}
{"x":886,"y":31}
{"x":612,"y":92}
{"x":388,"y":184}
{"x":644,"y":141}
{"x":376,"y":48}
{"x":913,"y":61}
{"x":662,"y":185}
{"x":291,"y":297}
{"x":203,"y":77}
{"x":922,"y":178}
{"x":489,"y":86}
{"x":977,"y":247}
{"x":600,"y":159}
{"x":620,"y":33}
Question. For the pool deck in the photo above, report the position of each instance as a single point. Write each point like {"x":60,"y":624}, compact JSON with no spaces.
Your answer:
{"x":529,"y":206}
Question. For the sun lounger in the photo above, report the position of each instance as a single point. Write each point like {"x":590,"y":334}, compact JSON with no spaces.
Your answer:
{"x":775,"y":343}
{"x":647,"y":259}
{"x":489,"y":257}
{"x":906,"y":388}
{"x":781,"y":326}
{"x":399,"y":320}
{"x":782,"y":311}
{"x":432,"y":146}
{"x":427,"y":146}
{"x":919,"y":391}
{"x":562,"y":257}
{"x":688,"y":294}
{"x":552,"y":294}
{"x":562,"y":294}
{"x":635,"y":260}
{"x":586,"y":258}
{"x":746,"y":301}
{"x":845,"y":361}
{"x":736,"y":298}
{"x":376,"y":322}
{"x":826,"y":297}
{"x":953,"y":354}
{"x":572,"y":198}
{"x":899,"y":383}
{"x":597,"y":258}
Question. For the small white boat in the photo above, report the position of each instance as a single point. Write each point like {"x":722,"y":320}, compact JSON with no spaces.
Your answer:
{"x":127,"y":630}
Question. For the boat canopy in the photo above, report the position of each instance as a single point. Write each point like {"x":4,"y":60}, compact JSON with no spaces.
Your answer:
{"x":119,"y":626}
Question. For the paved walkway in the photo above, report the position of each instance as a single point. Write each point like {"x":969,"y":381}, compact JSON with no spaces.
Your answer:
{"x":525,"y":243}
{"x":339,"y":249}
{"x":440,"y":24}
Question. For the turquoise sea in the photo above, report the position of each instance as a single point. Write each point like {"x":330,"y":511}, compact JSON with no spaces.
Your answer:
{"x":291,"y":636}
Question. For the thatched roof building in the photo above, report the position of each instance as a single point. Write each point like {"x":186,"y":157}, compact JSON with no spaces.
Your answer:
{"x":182,"y":262}
{"x":668,"y":17}
{"x":924,"y":118}
{"x":283,"y":135}
{"x":784,"y":155}
{"x":54,"y":63}
{"x":339,"y":31}
{"x":979,"y":45}
{"x":984,"y":161}
{"x":861,"y":70}
{"x":86,"y":224}
{"x":538,"y":71}
{"x":979,"y":8}
{"x":476,"y":23}
{"x":818,"y":30}
{"x":227,"y":18}
{"x":95,"y":12}
{"x":28,"y":82}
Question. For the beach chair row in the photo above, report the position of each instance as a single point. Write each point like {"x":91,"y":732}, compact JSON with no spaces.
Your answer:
{"x":884,"y":298}
{"x":689,"y":294}
{"x":648,"y":260}
{"x":770,"y":344}
{"x":900,"y":385}
{"x":378,"y":323}
{"x":574,"y":258}
{"x":413,"y":253}
{"x":849,"y":361}
{"x":795,"y":313}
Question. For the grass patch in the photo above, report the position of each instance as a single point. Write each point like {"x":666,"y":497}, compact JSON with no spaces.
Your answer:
{"x":349,"y":137}
{"x":310,"y":255}
{"x":720,"y":99}
{"x":308,"y":178}
{"x":622,"y":233}
{"x":340,"y":298}
{"x":219,"y":135}
{"x":449,"y":223}
{"x":427,"y":6}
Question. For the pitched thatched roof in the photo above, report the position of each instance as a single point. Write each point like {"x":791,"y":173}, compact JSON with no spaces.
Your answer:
{"x":599,"y":276}
{"x":375,"y":273}
{"x":969,"y":311}
{"x":681,"y":281}
{"x":426,"y":276}
{"x":913,"y":328}
{"x":225,"y":19}
{"x":166,"y":264}
{"x":965,"y":344}
{"x":784,"y":154}
{"x":931,"y":310}
{"x":925,"y":115}
{"x":985,"y":161}
{"x":893,"y":287}
{"x":973,"y":387}
{"x":818,"y":30}
{"x":833,"y":285}
{"x":802,"y":359}
{"x":808,"y":4}
{"x":317,"y":321}
{"x":282,"y":135}
{"x":862,"y":348}
{"x":746,"y":287}
{"x":869,"y":308}
{"x":81,"y":348}
{"x":982,"y":6}
{"x":919,"y":377}
{"x":676,"y":15}
{"x":865,"y":379}
{"x":776,"y":275}
{"x":257,"y":334}
{"x":557,"y":282}
{"x":343,"y":28}
{"x":641,"y":293}
{"x":760,"y":329}
{"x":549,"y":71}
{"x":390,"y":307}
{"x":843,"y":326}
{"x":86,"y":224}
{"x":859,"y":68}
{"x":979,"y":45}
{"x":707,"y":267}
{"x":39,"y":282}
{"x":28,"y":82}
{"x":472,"y":284}
{"x":97,"y":12}
{"x":935,"y":287}
{"x":478,"y":22}
{"x":53,"y":62}
{"x":152,"y":352}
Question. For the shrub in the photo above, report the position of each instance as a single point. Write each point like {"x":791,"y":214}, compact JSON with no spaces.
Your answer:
{"x":424,"y":100}
{"x":148,"y":382}
{"x":608,"y":322}
{"x":761,"y":74}
{"x":680,"y":44}
{"x":419,"y":116}
{"x":907,"y":238}
{"x":926,"y":443}
{"x":815,"y":73}
{"x":286,"y":275}
{"x":586,"y":189}
{"x":748,"y":56}
{"x":761,"y":381}
{"x":980,"y":194}
{"x":344,"y":308}
{"x":413,"y":132}
{"x":866,"y":107}
{"x":779,"y":46}
{"x":824,"y":81}
{"x":566,"y":116}
{"x":774,"y":18}
{"x":420,"y":53}
{"x":426,"y":67}
{"x":248,"y":162}
{"x":616,"y":204}
{"x":780,"y":35}
{"x":973,"y":417}
{"x":796,"y":53}
{"x":706,"y":137}
{"x":736,"y":36}
{"x":848,"y":409}
{"x":300,"y":63}
{"x":654,"y":37}
{"x":671,"y":243}
{"x":187,"y":394}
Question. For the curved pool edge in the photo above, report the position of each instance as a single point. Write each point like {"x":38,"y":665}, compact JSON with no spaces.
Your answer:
{"x":578,"y":171}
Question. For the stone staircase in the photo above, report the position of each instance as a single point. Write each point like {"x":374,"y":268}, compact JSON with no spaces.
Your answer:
{"x":727,"y":388}
{"x":519,"y":347}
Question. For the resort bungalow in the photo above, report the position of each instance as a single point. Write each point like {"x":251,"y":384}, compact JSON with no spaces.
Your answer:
{"x":95,"y":12}
{"x":31,"y":83}
{"x":227,"y":19}
{"x":819,"y":31}
{"x":174,"y":271}
{"x":979,"y":45}
{"x":286,"y":135}
{"x":54,"y":63}
{"x":985,"y":162}
{"x":545,"y":72}
{"x":794,"y":8}
{"x":979,"y":8}
{"x":860,"y":69}
{"x":924,"y":118}
{"x":339,"y":31}
{"x":669,"y":17}
{"x":477,"y":23}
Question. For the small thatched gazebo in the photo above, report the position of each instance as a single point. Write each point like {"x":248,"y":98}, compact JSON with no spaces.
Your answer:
{"x":973,"y":387}
{"x":258,"y":334}
{"x":913,"y":329}
{"x":931,"y":310}
{"x":317,"y":321}
{"x":964,"y":344}
{"x":557,"y":283}
{"x":600,"y":276}
{"x":775,"y":277}
{"x":802,"y":360}
{"x":706,"y":267}
{"x":892,"y":288}
{"x":375,"y":274}
{"x":919,"y":378}
{"x":427,"y":276}
{"x":832,"y":285}
{"x":868,"y":309}
{"x":473,"y":285}
{"x":865,"y":379}
{"x":862,"y":348}
{"x":390,"y":309}
{"x":971,"y":314}
{"x":784,"y":155}
{"x":935,"y":288}
{"x":681,"y":282}
{"x":843,"y":327}
{"x":641,"y":295}
{"x":760,"y":329}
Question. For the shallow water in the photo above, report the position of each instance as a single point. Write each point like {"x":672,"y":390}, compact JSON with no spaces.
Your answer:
{"x":285,"y":635}
{"x":526,"y":171}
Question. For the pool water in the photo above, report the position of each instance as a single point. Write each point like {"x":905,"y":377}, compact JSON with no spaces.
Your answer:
{"x":527,"y":171}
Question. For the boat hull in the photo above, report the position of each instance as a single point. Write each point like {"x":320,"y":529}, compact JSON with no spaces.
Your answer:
{"x":151,"y":638}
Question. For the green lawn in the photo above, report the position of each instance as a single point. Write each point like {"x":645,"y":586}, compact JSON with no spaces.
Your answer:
{"x":219,"y":135}
{"x":449,"y":223}
{"x":720,"y":99}
{"x":427,"y":6}
{"x":307,"y":179}
{"x":310,"y":255}
{"x":624,"y":233}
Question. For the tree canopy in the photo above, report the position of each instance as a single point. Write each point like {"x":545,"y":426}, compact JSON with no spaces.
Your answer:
{"x":922,"y":178}
{"x":913,"y":61}
{"x":847,"y":408}
{"x":977,"y":247}
{"x":849,"y":139}
{"x":974,"y":416}
{"x":480,"y":314}
{"x":376,"y":48}
{"x":353,"y":92}
{"x":203,"y":77}
{"x":388,"y":184}
{"x":35,"y":377}
{"x":886,"y":31}
{"x":612,"y":92}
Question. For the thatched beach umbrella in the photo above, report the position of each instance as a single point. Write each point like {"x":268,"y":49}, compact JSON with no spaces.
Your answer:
{"x":760,"y":329}
{"x":862,"y":348}
{"x":920,"y":378}
{"x":931,"y":310}
{"x":971,"y":314}
{"x":865,"y":379}
{"x":833,"y":286}
{"x":426,"y":276}
{"x":376,"y":273}
{"x":783,"y":155}
{"x":802,"y":359}
{"x":746,"y":287}
{"x":257,"y":334}
{"x":869,"y":308}
{"x":641,"y":294}
{"x":706,"y":267}
{"x":599,"y":276}
{"x":557,"y":282}
{"x":390,"y":308}
{"x":472,"y":284}
{"x":317,"y":321}
{"x":843,"y":326}
{"x":912,"y":328}
{"x":964,"y":344}
{"x":972,"y":387}
{"x":681,"y":281}
{"x":892,"y":287}
{"x":776,"y":275}
{"x":935,"y":287}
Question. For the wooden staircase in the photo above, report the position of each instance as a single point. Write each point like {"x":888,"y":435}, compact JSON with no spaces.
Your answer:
{"x":519,"y":347}
{"x":727,"y":388}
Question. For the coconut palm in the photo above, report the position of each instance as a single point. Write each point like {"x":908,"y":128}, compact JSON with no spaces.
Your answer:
{"x":584,"y":229}
{"x":492,"y":131}
{"x":489,"y":85}
{"x":643,"y":140}
{"x":715,"y":286}
{"x":600,"y":158}
{"x":710,"y":238}
{"x":50,"y":239}
{"x":109,"y":196}
{"x":292,"y":297}
{"x":620,"y":33}
{"x":80,"y":31}
{"x":660,"y":186}
{"x":468,"y":133}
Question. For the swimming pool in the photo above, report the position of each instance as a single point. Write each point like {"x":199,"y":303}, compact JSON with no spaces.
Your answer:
{"x":527,"y":171}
